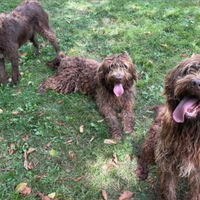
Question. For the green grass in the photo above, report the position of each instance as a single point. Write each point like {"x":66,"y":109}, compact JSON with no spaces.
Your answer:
{"x":156,"y":34}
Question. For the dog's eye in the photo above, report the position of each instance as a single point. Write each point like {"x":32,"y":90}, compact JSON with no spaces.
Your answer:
{"x":192,"y":70}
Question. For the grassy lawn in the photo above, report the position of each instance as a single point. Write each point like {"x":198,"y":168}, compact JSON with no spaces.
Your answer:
{"x":78,"y":164}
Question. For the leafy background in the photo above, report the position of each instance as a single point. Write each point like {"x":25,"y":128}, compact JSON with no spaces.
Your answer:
{"x":76,"y":164}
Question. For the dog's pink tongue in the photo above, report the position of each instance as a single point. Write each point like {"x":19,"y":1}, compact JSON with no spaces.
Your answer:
{"x":179,"y":112}
{"x":118,"y":90}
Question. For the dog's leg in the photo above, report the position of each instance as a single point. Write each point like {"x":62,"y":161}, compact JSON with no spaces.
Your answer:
{"x":128,"y":117}
{"x":15,"y":68}
{"x":34,"y":40}
{"x":46,"y":32}
{"x":146,"y":158}
{"x":193,"y":182}
{"x":168,"y":185}
{"x":111,"y":118}
{"x":3,"y":75}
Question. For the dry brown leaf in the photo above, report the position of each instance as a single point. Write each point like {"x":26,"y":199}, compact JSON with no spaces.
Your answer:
{"x":25,"y":160}
{"x":43,"y":45}
{"x":183,"y":55}
{"x":81,"y":128}
{"x":128,"y":158}
{"x":126,"y":195}
{"x":68,"y":142}
{"x":73,"y":50}
{"x":25,"y":139}
{"x":31,"y":150}
{"x":11,"y":150}
{"x":78,"y":179}
{"x":115,"y":158}
{"x":77,"y":143}
{"x":24,"y":54}
{"x":110,"y":165}
{"x":59,"y":102}
{"x":104,"y":194}
{"x":109,"y":141}
{"x":1,"y":139}
{"x":26,"y":191}
{"x":71,"y":155}
{"x":40,"y":176}
{"x":42,"y":196}
{"x":16,"y":112}
{"x":59,"y":123}
{"x":93,"y":137}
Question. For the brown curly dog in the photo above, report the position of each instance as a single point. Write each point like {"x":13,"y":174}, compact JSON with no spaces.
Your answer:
{"x":174,"y":144}
{"x":111,"y":82}
{"x":16,"y":28}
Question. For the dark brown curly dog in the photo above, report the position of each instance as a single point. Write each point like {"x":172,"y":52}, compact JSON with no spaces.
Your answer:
{"x":176,"y":142}
{"x":111,"y":82}
{"x":16,"y":28}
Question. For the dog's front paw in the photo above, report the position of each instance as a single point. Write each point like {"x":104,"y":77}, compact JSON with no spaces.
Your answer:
{"x":141,"y":174}
{"x":128,"y":128}
{"x":116,"y":134}
{"x":41,"y":89}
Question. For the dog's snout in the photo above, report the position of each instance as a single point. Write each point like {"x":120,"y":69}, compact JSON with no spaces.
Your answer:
{"x":196,"y":84}
{"x":118,"y":78}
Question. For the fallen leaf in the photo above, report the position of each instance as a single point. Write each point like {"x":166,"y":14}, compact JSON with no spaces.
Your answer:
{"x":126,"y":195}
{"x":73,"y":50}
{"x":1,"y":111}
{"x":31,"y":150}
{"x":25,"y":139}
{"x":24,"y":54}
{"x":81,"y":128}
{"x":52,"y":152}
{"x":26,"y":191}
{"x":77,"y":143}
{"x":40,"y":176}
{"x":68,"y":142}
{"x":128,"y":158}
{"x":148,"y":32}
{"x":52,"y":195}
{"x":59,"y":123}
{"x":194,"y":54}
{"x":59,"y":102}
{"x":71,"y":155}
{"x":93,"y":137}
{"x":108,"y":141}
{"x":42,"y":196}
{"x":104,"y":194}
{"x":183,"y":55}
{"x":20,"y":187}
{"x":22,"y":73}
{"x":43,"y":45}
{"x":25,"y":161}
{"x":1,"y":139}
{"x":115,"y":158}
{"x":78,"y":179}
{"x":12,"y":149}
{"x":163,"y":45}
{"x":16,"y":112}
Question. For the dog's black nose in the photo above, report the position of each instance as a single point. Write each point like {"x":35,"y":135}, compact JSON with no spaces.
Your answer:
{"x":196,"y":84}
{"x":118,"y":78}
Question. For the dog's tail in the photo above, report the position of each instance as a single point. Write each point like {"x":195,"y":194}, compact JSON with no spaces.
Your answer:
{"x":56,"y":61}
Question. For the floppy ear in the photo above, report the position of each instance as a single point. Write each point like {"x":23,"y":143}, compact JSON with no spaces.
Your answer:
{"x":103,"y":69}
{"x":170,"y":79}
{"x":133,"y":71}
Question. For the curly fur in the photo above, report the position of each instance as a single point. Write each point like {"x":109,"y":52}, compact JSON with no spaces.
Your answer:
{"x":16,"y":28}
{"x":98,"y":80}
{"x":176,"y":145}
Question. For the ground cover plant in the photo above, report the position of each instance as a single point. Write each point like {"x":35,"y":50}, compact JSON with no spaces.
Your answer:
{"x":56,"y":143}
